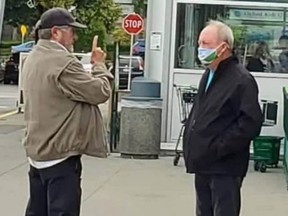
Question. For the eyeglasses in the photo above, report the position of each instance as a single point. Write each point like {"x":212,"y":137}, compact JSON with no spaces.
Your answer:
{"x":66,"y":28}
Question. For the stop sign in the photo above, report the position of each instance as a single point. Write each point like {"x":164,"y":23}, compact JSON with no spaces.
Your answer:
{"x":133,"y":24}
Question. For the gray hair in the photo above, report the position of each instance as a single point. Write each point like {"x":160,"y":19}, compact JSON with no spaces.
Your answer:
{"x":225,"y":33}
{"x":45,"y":34}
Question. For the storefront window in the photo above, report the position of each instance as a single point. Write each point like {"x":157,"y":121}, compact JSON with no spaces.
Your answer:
{"x":261,"y":35}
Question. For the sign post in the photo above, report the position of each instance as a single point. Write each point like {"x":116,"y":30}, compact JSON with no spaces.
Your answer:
{"x":133,"y":24}
{"x":23,"y":30}
{"x":2,"y":8}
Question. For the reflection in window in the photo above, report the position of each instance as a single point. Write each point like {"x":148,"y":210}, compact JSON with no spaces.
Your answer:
{"x":261,"y":35}
{"x":262,"y":60}
{"x":191,"y":19}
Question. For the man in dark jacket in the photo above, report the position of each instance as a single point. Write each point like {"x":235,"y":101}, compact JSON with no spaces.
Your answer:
{"x":225,"y":118}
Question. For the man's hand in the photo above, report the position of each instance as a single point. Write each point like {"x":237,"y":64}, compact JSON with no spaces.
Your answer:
{"x":98,"y":55}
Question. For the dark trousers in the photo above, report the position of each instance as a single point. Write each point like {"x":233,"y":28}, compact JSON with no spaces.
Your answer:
{"x":56,"y":191}
{"x":218,"y":195}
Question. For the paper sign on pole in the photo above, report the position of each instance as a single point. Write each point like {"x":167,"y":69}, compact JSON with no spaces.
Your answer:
{"x":23,"y":30}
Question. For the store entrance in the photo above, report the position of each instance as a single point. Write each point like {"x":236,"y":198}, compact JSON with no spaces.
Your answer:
{"x":261,"y":44}
{"x":260,"y":31}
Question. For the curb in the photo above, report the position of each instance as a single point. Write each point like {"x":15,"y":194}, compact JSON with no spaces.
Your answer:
{"x":5,"y":115}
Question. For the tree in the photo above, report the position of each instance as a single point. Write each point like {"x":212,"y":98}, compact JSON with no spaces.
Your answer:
{"x":140,"y":7}
{"x":100,"y":16}
{"x":120,"y":35}
{"x":17,"y":12}
{"x":56,"y":3}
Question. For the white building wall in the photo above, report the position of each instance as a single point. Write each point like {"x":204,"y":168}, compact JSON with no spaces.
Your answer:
{"x":159,"y":22}
{"x":159,"y":66}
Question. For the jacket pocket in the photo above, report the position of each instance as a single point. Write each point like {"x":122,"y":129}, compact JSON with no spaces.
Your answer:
{"x":188,"y":131}
{"x":201,"y":150}
{"x":84,"y":124}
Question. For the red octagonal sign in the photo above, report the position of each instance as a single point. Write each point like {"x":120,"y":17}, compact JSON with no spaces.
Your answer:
{"x":133,"y":24}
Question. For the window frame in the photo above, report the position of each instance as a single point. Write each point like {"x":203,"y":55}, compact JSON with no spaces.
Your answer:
{"x":176,"y":5}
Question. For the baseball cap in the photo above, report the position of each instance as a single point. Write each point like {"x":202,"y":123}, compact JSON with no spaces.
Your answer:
{"x":58,"y":17}
{"x":34,"y":34}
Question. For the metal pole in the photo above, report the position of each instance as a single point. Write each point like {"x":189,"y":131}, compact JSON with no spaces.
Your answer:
{"x":114,"y":98}
{"x":130,"y":63}
{"x":2,"y":9}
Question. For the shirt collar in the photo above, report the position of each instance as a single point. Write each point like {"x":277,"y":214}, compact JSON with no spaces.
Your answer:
{"x":59,"y":45}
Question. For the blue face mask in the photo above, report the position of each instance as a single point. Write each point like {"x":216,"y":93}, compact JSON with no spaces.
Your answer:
{"x":206,"y":55}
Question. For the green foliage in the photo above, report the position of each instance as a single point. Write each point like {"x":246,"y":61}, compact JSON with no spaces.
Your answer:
{"x":140,"y":7}
{"x":120,"y":35}
{"x":8,"y":44}
{"x":5,"y":51}
{"x":56,"y":3}
{"x":100,"y":16}
{"x":85,"y":37}
{"x":239,"y":32}
{"x":18,"y":13}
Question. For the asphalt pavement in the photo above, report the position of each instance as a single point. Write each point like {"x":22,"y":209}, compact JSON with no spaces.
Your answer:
{"x":8,"y":98}
{"x":124,"y":187}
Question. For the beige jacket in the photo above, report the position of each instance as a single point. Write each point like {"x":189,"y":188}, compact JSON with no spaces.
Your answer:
{"x":61,"y":100}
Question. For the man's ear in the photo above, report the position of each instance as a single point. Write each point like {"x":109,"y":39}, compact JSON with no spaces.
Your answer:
{"x":54,"y":32}
{"x":222,"y":50}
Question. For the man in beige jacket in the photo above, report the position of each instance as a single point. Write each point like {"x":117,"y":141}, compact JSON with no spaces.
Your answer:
{"x":62,"y":115}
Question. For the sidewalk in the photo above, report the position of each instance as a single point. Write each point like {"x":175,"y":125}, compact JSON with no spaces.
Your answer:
{"x":121,"y":187}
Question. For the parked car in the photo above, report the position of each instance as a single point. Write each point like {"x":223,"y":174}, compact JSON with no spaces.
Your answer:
{"x":85,"y":60}
{"x":11,"y":71}
{"x":2,"y":71}
{"x":137,"y":69}
{"x":24,"y":47}
{"x":139,"y":48}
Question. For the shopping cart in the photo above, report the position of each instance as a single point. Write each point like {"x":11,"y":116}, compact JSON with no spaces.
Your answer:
{"x":186,"y":96}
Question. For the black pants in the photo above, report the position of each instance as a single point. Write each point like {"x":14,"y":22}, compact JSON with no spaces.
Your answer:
{"x":56,"y":191}
{"x":218,"y":195}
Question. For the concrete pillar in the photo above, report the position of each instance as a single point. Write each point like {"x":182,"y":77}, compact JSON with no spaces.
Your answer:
{"x":159,"y":18}
{"x":157,"y":60}
{"x":2,"y":9}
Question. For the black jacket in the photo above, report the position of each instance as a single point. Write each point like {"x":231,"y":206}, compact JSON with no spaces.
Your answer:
{"x":223,"y":121}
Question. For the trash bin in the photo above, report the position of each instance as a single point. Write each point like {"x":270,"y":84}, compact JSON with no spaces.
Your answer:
{"x":140,"y":124}
{"x":266,"y":152}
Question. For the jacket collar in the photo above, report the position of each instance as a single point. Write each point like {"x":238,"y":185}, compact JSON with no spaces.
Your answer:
{"x":227,"y":62}
{"x":50,"y":44}
{"x":224,"y":66}
{"x":232,"y":60}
